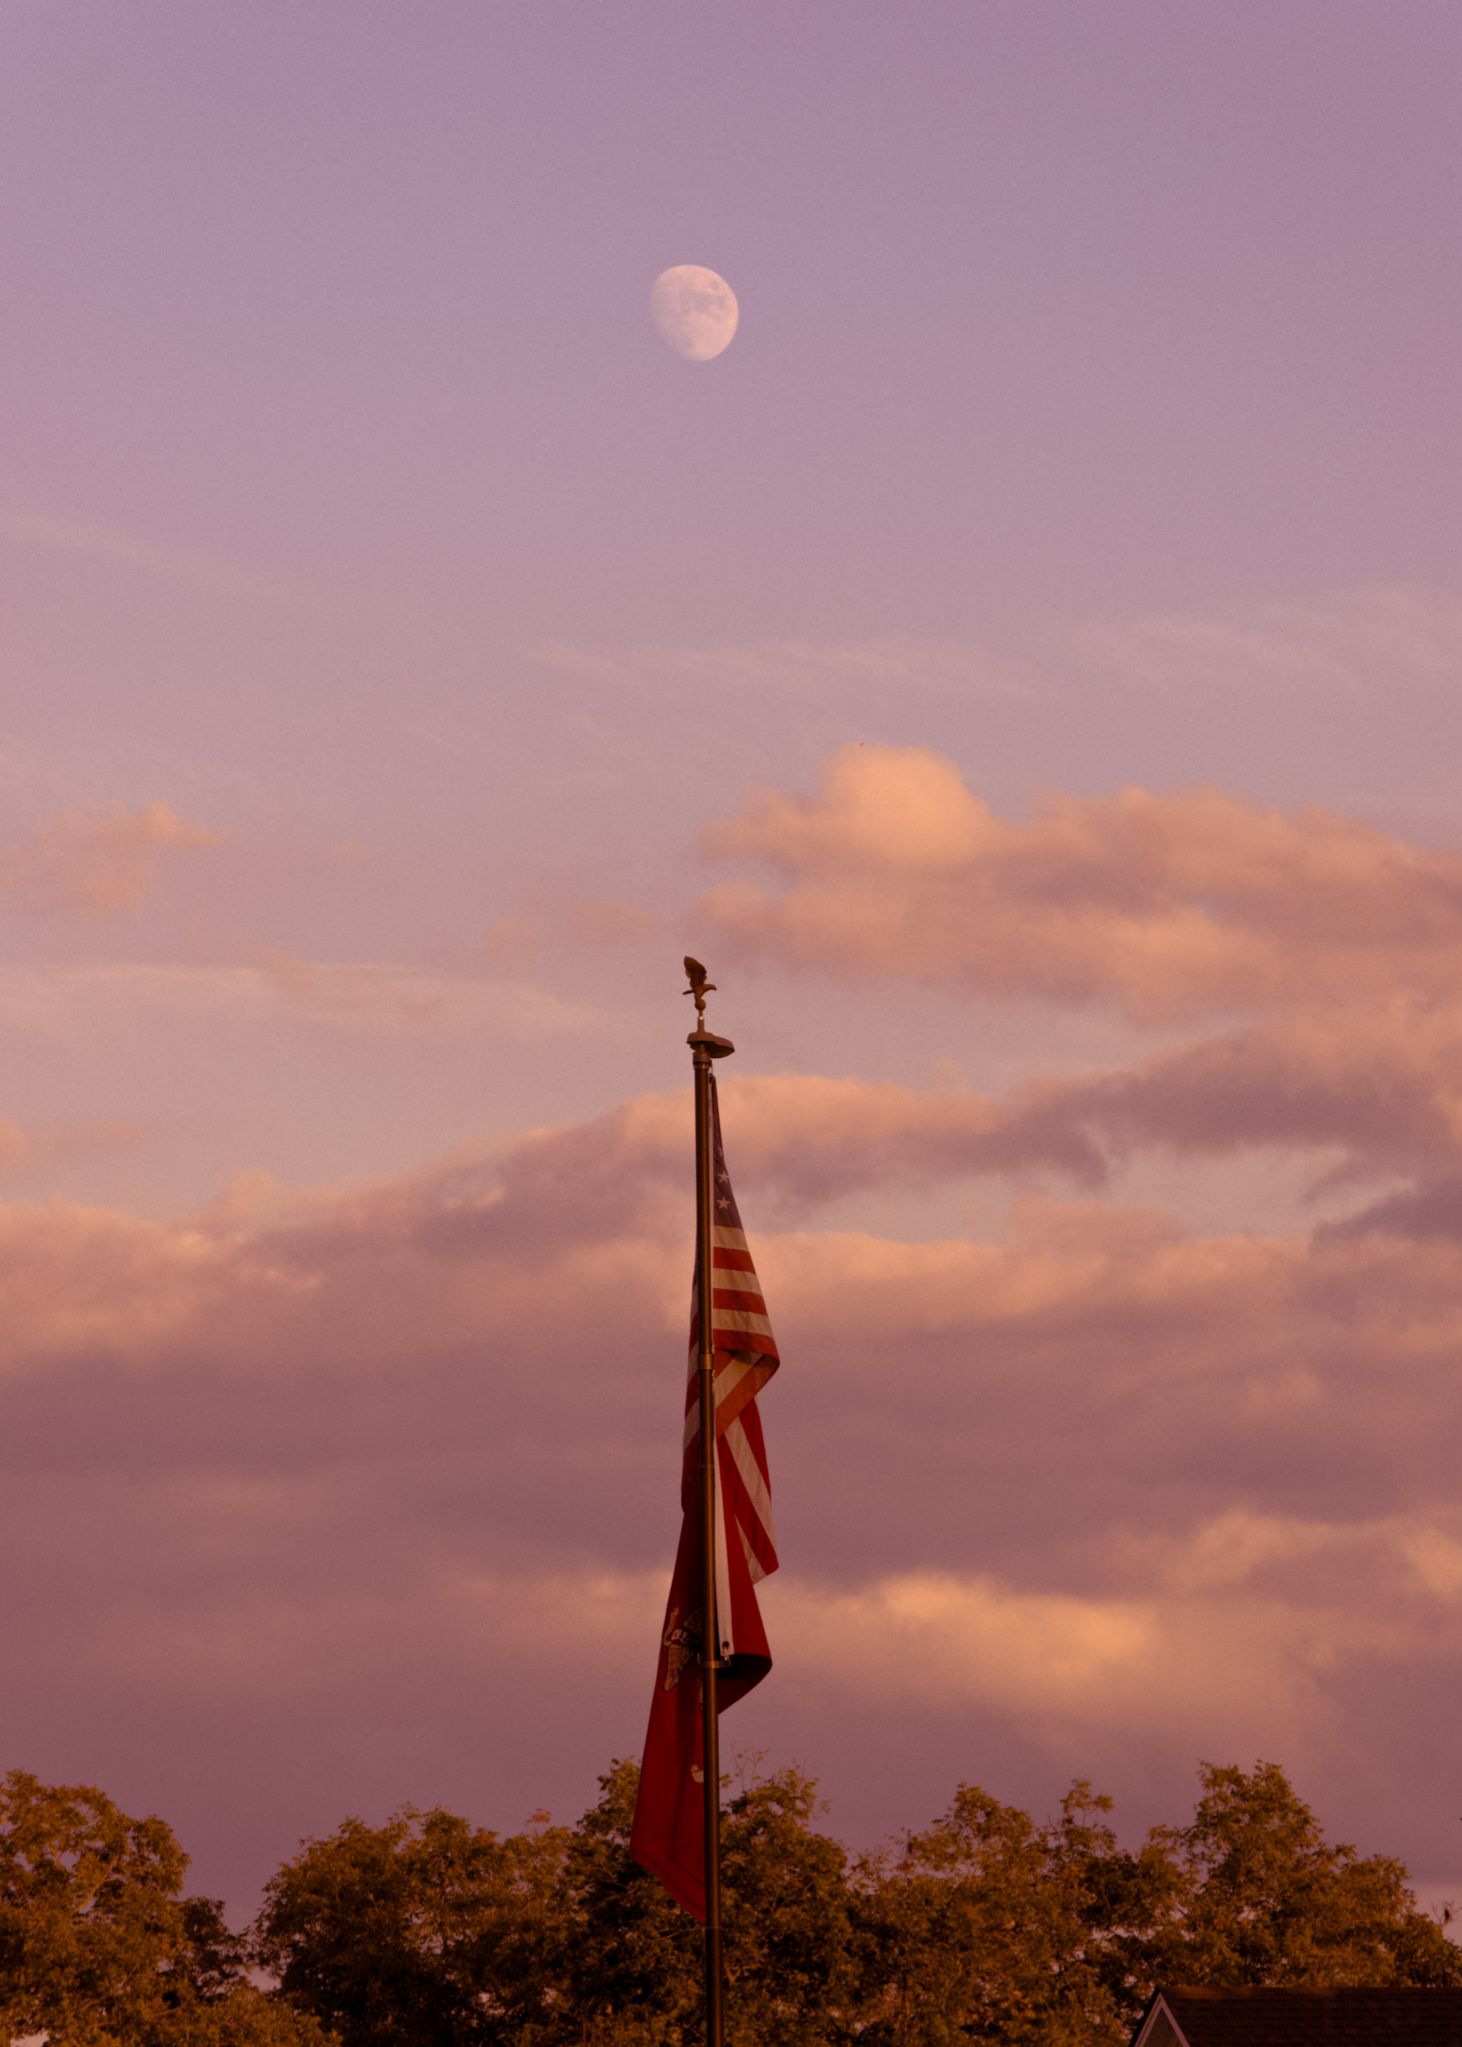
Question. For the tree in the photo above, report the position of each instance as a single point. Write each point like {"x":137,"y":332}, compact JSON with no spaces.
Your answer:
{"x":631,"y":1968}
{"x":633,"y":1960}
{"x":788,"y":1916}
{"x":245,"y":2017}
{"x":431,"y":1932}
{"x":91,"y":1926}
{"x":1265,"y":1899}
{"x":989,"y":1927}
{"x":424,"y":1932}
{"x":98,"y":1945}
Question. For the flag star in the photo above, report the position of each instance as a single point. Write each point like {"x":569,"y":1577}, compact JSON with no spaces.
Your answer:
{"x":723,"y":1201}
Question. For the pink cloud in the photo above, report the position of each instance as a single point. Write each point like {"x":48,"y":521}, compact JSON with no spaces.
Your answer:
{"x":806,"y":1139}
{"x":517,"y":1247}
{"x":1373,"y":1091}
{"x":24,"y":1147}
{"x":586,"y":926}
{"x":1362,"y":1095}
{"x":101,"y":862}
{"x":480,"y":1259}
{"x":1175,"y":906}
{"x":385,"y":995}
{"x":417,"y":1430}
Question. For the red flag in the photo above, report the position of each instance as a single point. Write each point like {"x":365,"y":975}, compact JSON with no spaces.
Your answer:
{"x":668,"y":1836}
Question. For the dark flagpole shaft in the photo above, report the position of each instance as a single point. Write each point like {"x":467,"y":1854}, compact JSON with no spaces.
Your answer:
{"x":710,"y":1629}
{"x":706,"y":1046}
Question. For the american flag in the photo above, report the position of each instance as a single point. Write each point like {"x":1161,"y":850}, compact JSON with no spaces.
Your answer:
{"x":745,"y":1356}
{"x":668,"y":1836}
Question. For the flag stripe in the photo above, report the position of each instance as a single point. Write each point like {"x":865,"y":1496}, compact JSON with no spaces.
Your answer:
{"x":753,"y":1477}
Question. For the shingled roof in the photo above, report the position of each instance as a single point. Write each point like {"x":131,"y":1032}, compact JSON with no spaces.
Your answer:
{"x":1302,"y":2018}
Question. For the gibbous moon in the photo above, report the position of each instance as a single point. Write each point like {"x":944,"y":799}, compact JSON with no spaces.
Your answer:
{"x":695,"y":310}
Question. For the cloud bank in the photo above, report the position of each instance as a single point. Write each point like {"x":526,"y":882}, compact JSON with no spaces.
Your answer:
{"x":364,"y":1477}
{"x":1175,"y":907}
{"x":324,"y":1456}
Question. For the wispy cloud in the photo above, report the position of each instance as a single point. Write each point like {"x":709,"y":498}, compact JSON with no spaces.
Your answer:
{"x":1351,"y":642}
{"x":24,"y":1147}
{"x":387,"y":996}
{"x":26,"y":525}
{"x":803,"y":667}
{"x":101,"y":862}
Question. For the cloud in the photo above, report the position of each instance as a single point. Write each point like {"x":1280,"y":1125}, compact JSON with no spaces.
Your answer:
{"x":377,"y":996}
{"x":1231,"y":1666}
{"x":313,"y":1645}
{"x":1432,"y":1209}
{"x":591,"y":926}
{"x":1363,"y":1095}
{"x":804,"y":1140}
{"x":1101,"y":1483}
{"x":509,"y":1243}
{"x":25,"y":525}
{"x":1182,"y":906}
{"x":1362,"y":640}
{"x":383,"y":994}
{"x":1178,"y":1669}
{"x":1374,"y":639}
{"x":1374,"y":1092}
{"x":798,"y":668}
{"x":23,"y":1147}
{"x":1302,"y":1353}
{"x":100,"y":862}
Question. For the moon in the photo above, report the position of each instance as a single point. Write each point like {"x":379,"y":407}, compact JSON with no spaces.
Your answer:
{"x":695,"y":310}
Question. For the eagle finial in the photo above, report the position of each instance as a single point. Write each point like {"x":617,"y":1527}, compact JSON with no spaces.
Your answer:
{"x":699,"y":987}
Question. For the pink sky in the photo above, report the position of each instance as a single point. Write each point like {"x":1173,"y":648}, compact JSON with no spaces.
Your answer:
{"x":1025,"y":666}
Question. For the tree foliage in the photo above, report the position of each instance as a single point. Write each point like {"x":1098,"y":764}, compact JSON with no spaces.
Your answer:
{"x":1265,"y":1899}
{"x":98,"y":1945}
{"x":630,"y":1956}
{"x":426,"y":1931}
{"x":989,"y":1927}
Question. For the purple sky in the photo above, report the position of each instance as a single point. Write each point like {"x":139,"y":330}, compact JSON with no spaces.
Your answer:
{"x":1026,"y":667}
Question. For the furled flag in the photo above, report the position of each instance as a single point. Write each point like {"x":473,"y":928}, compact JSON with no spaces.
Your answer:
{"x":668,"y":1836}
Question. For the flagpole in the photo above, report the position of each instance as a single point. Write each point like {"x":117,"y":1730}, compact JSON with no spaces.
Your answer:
{"x":706,"y":1046}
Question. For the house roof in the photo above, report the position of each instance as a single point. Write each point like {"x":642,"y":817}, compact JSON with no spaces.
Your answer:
{"x":1302,"y":2018}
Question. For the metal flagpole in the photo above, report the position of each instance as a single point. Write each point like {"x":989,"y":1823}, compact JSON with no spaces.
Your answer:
{"x":706,"y":1046}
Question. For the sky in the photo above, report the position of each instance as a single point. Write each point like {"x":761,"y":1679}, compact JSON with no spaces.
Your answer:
{"x":1024,"y":666}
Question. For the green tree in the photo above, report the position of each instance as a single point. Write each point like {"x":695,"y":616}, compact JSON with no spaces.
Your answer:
{"x":788,"y":1916}
{"x":98,"y":1945}
{"x":1265,"y":1899}
{"x":245,"y":2017}
{"x":424,"y":1932}
{"x":632,"y":1971}
{"x":990,"y":1927}
{"x":91,"y":1924}
{"x":631,"y":1967}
